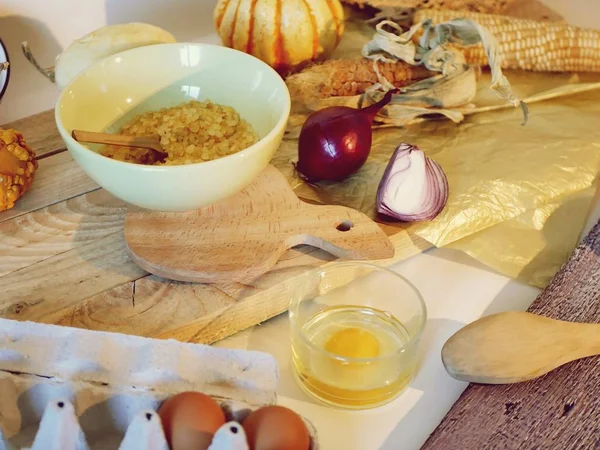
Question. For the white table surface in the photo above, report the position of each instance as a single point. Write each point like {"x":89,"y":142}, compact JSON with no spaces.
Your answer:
{"x":456,"y":288}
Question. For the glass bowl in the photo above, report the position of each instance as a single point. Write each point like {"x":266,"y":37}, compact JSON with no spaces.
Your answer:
{"x":355,"y":331}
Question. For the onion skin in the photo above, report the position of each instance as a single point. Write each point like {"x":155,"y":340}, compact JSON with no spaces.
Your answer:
{"x":335,"y":142}
{"x":433,"y":191}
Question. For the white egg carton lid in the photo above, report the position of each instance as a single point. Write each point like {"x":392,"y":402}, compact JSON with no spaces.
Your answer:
{"x":75,"y":389}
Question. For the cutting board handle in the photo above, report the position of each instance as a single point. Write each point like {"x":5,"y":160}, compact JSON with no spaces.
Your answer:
{"x":350,"y":234}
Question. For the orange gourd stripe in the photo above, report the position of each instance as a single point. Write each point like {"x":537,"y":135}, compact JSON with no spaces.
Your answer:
{"x":219,"y":18}
{"x":234,"y":22}
{"x":336,"y":19}
{"x":313,"y":22}
{"x":250,"y":44}
{"x":278,"y":54}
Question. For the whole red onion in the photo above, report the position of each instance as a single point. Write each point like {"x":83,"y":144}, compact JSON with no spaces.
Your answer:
{"x":336,"y":141}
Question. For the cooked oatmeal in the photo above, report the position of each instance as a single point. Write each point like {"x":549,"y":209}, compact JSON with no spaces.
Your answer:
{"x":189,"y":133}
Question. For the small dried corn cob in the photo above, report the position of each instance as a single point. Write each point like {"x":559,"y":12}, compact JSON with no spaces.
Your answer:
{"x":17,"y":167}
{"x":527,"y":44}
{"x":342,"y":77}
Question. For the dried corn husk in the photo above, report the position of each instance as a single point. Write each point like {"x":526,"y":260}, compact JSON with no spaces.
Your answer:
{"x":431,"y":50}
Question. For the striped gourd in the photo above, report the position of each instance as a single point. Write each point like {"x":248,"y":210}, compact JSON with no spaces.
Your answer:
{"x":286,"y":34}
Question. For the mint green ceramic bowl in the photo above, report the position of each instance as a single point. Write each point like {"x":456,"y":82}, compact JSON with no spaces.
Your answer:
{"x":112,"y":91}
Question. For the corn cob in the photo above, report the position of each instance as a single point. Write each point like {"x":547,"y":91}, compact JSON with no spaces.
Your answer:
{"x":527,"y":44}
{"x":343,"y":77}
{"x":487,"y":6}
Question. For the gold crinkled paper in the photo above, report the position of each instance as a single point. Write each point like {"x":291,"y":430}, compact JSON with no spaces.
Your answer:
{"x":519,"y":195}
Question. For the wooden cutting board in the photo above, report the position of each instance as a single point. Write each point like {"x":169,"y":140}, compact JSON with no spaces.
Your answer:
{"x":243,"y":236}
{"x":64,"y":260}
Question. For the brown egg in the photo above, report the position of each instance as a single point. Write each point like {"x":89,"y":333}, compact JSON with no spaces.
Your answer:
{"x":190,"y":420}
{"x":276,"y":428}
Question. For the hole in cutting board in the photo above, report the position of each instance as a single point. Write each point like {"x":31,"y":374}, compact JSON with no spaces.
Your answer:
{"x":346,"y":225}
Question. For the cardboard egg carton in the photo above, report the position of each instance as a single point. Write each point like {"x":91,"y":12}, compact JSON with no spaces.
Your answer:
{"x":74,"y":389}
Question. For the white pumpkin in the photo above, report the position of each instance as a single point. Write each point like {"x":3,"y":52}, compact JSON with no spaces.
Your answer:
{"x":286,"y":34}
{"x":97,"y":45}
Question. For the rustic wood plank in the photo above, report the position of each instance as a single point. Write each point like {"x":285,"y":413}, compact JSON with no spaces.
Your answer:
{"x":38,"y":290}
{"x":143,"y":307}
{"x":58,"y":178}
{"x":558,"y":411}
{"x":155,"y":307}
{"x":49,"y":231}
{"x":40,"y":132}
{"x":152,"y":307}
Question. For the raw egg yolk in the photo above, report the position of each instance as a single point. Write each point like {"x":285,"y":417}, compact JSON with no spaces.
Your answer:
{"x":353,"y":342}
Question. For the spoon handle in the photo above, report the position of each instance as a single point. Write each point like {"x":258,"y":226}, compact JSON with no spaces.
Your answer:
{"x":587,"y":335}
{"x":115,"y":139}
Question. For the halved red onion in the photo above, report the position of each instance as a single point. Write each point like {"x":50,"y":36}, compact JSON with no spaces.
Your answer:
{"x":414,"y":187}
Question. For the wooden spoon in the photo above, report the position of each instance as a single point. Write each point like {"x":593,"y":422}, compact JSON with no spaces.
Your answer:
{"x":512,"y":347}
{"x":149,"y":142}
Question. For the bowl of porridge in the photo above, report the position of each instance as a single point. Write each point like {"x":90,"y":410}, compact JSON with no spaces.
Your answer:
{"x":219,"y":114}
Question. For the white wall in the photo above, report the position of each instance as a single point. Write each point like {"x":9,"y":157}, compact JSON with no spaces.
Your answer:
{"x":50,"y":25}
